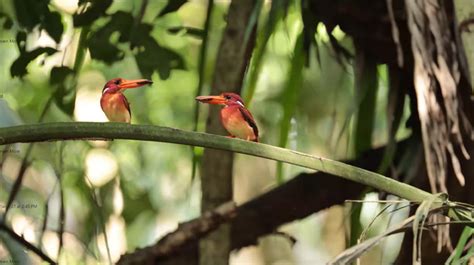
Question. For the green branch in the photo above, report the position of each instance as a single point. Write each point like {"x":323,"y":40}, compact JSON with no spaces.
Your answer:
{"x":89,"y":130}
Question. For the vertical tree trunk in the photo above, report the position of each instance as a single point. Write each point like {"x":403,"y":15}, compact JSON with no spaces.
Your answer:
{"x":216,"y":171}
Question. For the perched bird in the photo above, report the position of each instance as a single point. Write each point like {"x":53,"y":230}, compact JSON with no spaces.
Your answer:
{"x":235,"y":118}
{"x":114,"y":103}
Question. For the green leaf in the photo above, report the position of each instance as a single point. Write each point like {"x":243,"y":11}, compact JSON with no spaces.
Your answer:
{"x":96,"y":10}
{"x":172,"y":6}
{"x":194,"y":32}
{"x":366,"y":84}
{"x":290,"y":96}
{"x":53,"y":25}
{"x":99,"y":43}
{"x":456,"y":255}
{"x":395,"y":104}
{"x":29,"y":12}
{"x":421,"y":215}
{"x":157,"y":58}
{"x":18,"y":67}
{"x":32,"y":13}
{"x":277,"y":12}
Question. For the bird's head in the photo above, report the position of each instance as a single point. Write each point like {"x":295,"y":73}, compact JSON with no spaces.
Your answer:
{"x":226,"y":98}
{"x":119,"y":84}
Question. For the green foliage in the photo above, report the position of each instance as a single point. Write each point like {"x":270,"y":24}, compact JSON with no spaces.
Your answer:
{"x":175,"y":43}
{"x":32,"y":13}
{"x":277,"y":12}
{"x":151,"y":56}
{"x":18,"y":68}
{"x":64,"y":96}
{"x":290,"y":96}
{"x":94,"y":11}
{"x":172,"y":6}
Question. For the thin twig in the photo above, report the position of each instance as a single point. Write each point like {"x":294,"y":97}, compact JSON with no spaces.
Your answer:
{"x":97,"y":205}
{"x":26,"y":244}
{"x":62,"y":212}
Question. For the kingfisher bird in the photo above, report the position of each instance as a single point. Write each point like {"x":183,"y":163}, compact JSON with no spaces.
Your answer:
{"x":114,"y":103}
{"x":235,"y":118}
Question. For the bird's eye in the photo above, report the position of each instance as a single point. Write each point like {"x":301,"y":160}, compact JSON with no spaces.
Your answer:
{"x":227,"y":97}
{"x":117,"y":82}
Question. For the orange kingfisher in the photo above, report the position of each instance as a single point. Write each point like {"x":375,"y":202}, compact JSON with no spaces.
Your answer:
{"x":114,"y":103}
{"x":235,"y":118}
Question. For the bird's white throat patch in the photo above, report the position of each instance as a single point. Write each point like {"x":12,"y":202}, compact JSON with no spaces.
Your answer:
{"x":240,"y":103}
{"x":105,"y":90}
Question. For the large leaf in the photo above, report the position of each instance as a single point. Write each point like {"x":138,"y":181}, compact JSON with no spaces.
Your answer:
{"x":53,"y":25}
{"x":277,"y":13}
{"x":18,"y":67}
{"x":366,"y":84}
{"x":99,"y":43}
{"x":32,"y":13}
{"x":151,"y":56}
{"x":290,"y":96}
{"x":157,"y":58}
{"x":94,"y":11}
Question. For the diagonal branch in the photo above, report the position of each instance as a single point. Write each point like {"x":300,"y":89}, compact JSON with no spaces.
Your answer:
{"x":312,"y":192}
{"x":187,"y":232}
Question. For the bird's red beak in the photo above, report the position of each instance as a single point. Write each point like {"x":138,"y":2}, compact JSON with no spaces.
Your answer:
{"x":218,"y":100}
{"x":134,"y":83}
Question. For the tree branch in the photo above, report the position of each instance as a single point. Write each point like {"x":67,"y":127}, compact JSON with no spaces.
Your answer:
{"x":92,"y":130}
{"x":187,"y":232}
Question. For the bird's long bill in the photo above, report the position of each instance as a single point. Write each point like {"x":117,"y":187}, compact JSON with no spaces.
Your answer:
{"x":211,"y":99}
{"x":134,"y":83}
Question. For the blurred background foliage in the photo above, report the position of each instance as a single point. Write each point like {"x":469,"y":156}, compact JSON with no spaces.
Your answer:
{"x":55,"y":57}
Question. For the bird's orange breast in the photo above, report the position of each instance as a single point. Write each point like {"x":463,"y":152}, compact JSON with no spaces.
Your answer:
{"x":235,"y":124}
{"x":115,"y":107}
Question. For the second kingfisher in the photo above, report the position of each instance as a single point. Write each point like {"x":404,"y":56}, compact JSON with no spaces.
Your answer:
{"x":235,"y":117}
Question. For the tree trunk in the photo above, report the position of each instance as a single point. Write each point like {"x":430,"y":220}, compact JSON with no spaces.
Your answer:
{"x":216,"y":171}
